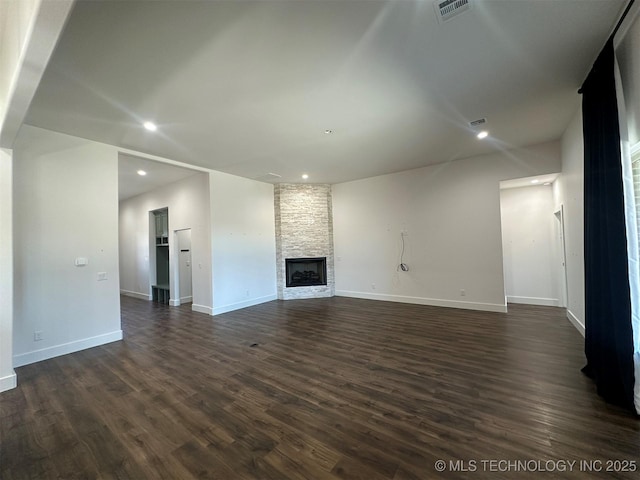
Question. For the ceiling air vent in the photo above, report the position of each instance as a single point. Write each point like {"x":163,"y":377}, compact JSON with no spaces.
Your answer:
{"x":479,"y":122}
{"x":268,"y":177}
{"x":447,"y":9}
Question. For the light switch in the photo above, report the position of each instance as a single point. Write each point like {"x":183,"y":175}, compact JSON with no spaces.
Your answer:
{"x":82,"y":261}
{"x":102,"y":276}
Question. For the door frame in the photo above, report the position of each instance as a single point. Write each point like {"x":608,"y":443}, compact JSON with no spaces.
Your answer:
{"x":562,"y":256}
{"x":176,"y":264}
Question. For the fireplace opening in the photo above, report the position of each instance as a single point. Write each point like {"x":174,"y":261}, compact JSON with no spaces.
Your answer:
{"x":306,"y":272}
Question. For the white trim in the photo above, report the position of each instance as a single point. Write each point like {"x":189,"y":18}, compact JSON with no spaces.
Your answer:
{"x":7,"y":327}
{"x":547,"y":302}
{"x":177,"y":303}
{"x":244,"y":304}
{"x":65,"y":348}
{"x":435,"y":302}
{"x":201,"y":309}
{"x":141,"y":296}
{"x":8,"y":382}
{"x":576,"y":322}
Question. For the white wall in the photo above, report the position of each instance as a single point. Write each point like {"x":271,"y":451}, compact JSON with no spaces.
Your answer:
{"x":569,"y":192}
{"x":451,"y":215}
{"x":243,"y":241}
{"x":7,"y":374}
{"x":528,"y":242}
{"x":65,"y":206}
{"x":28,"y":34}
{"x":188,"y":203}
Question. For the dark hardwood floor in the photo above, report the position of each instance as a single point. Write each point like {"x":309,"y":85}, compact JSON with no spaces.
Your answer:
{"x":319,"y":389}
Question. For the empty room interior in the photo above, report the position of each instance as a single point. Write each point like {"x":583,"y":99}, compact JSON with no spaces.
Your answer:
{"x":307,"y":239}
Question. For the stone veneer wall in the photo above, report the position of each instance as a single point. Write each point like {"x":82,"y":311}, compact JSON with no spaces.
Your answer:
{"x":304,"y":228}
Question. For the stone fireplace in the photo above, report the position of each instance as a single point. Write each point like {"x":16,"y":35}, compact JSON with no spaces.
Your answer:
{"x":304,"y":241}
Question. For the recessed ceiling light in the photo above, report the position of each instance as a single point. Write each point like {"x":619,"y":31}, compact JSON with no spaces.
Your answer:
{"x":150,"y":126}
{"x":142,"y":173}
{"x":305,"y":176}
{"x":535,"y":181}
{"x":483,"y":134}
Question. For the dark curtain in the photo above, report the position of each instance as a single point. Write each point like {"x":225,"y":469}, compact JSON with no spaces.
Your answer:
{"x":609,"y":335}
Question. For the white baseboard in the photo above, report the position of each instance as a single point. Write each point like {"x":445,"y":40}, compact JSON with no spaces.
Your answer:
{"x":65,"y":348}
{"x":141,"y":296}
{"x":201,"y":309}
{"x":575,"y":321}
{"x":546,"y":302}
{"x":244,"y":304}
{"x":8,"y":382}
{"x":434,"y":302}
{"x":176,"y":303}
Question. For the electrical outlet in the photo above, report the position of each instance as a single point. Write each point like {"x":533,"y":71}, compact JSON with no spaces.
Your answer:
{"x":463,"y":292}
{"x":102,"y":276}
{"x":37,"y":335}
{"x":373,"y":286}
{"x":248,"y":293}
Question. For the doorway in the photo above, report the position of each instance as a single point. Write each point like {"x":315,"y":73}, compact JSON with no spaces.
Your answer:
{"x":159,"y":255}
{"x":529,"y":240}
{"x":184,"y":280}
{"x":561,"y":256}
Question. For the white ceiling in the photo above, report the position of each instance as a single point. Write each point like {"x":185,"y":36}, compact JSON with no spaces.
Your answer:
{"x":249,"y":87}
{"x":537,"y":180}
{"x":158,"y":174}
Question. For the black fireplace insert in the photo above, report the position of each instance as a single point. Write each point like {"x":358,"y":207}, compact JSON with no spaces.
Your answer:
{"x":306,"y":272}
